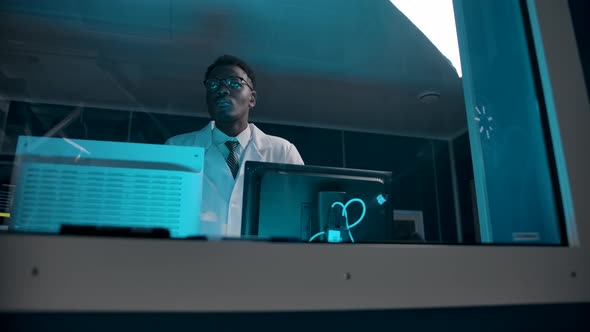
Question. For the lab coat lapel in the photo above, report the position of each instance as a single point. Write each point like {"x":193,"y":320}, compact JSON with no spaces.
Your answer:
{"x":214,"y":159}
{"x":217,"y":186}
{"x":204,"y":137}
{"x":258,"y":148}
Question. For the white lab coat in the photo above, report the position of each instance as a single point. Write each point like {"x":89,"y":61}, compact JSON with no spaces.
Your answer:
{"x":221,"y":206}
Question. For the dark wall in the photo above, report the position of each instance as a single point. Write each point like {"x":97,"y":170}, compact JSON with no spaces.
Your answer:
{"x":464,"y":173}
{"x":579,"y":10}
{"x":421,"y":174}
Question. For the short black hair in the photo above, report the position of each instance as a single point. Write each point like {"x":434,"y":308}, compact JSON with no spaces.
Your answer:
{"x":230,"y":60}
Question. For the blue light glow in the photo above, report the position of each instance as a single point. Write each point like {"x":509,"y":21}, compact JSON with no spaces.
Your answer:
{"x":381,"y":199}
{"x":335,"y":235}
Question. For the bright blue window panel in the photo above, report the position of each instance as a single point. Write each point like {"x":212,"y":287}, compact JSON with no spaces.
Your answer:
{"x":515,"y":195}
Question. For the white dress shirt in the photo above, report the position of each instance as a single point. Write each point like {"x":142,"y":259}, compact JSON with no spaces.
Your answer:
{"x":219,"y":138}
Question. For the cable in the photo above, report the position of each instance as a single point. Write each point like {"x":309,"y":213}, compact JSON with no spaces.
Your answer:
{"x":318,"y":234}
{"x":345,"y":215}
{"x":362,"y":214}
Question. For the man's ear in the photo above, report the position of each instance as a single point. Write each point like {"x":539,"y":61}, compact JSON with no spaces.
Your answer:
{"x":252,"y":99}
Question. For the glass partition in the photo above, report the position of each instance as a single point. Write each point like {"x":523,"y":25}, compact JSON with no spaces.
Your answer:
{"x":449,"y":112}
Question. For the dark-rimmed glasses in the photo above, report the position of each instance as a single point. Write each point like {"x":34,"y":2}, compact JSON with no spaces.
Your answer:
{"x":232,"y":82}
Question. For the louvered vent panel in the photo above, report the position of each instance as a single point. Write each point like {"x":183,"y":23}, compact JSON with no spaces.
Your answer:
{"x":85,"y":195}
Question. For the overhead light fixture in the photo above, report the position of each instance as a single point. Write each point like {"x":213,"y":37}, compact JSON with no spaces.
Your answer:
{"x":436,"y":20}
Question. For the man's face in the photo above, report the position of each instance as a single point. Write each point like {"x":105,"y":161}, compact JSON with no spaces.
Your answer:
{"x":230,"y":103}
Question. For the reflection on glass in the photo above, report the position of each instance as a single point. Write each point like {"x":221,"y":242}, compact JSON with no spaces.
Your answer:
{"x":354,"y":85}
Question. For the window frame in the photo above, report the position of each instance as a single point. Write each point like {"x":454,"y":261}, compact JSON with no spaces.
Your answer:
{"x":69,"y":273}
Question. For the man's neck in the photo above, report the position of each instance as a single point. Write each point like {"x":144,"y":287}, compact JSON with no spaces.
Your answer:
{"x":232,"y":129}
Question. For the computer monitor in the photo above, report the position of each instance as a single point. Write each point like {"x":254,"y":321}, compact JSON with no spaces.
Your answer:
{"x":61,"y":181}
{"x":316,"y":204}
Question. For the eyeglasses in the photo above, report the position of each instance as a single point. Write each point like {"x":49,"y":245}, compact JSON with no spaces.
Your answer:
{"x":233,"y":82}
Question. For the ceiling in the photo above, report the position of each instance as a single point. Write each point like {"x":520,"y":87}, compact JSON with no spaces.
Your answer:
{"x":354,"y":64}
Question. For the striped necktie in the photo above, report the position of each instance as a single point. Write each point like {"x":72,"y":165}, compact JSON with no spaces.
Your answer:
{"x":232,"y":158}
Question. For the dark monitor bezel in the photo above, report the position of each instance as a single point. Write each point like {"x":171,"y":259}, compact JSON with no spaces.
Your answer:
{"x":254,"y":170}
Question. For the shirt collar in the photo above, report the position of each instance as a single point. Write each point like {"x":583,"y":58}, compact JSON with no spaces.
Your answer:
{"x":243,"y":138}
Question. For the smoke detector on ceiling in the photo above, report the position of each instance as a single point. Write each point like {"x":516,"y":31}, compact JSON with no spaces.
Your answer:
{"x":429,"y":97}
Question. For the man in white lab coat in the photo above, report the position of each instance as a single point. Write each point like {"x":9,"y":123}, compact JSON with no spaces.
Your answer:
{"x":229,"y":140}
